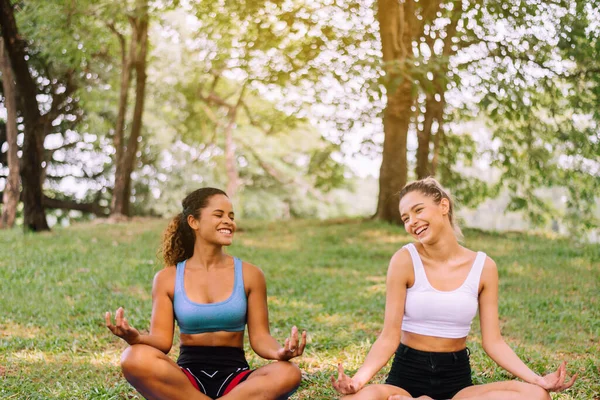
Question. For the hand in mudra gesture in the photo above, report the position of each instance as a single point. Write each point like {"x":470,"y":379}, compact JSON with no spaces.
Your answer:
{"x":344,"y":384}
{"x":121,"y":327}
{"x":292,"y":347}
{"x":555,"y":382}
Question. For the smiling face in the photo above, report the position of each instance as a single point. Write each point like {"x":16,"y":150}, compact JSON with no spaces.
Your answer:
{"x":216,"y":224}
{"x":423,"y":218}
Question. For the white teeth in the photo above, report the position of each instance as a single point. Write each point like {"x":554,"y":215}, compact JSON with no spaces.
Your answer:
{"x":418,"y":232}
{"x":224,"y":231}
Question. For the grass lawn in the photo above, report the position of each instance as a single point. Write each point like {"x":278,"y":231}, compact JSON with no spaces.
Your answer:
{"x":327,"y":277}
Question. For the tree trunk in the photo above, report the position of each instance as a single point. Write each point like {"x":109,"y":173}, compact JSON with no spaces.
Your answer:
{"x":396,"y":22}
{"x":436,"y":101}
{"x":10,"y":197}
{"x":126,"y":66}
{"x":233,"y":176}
{"x":434,"y":111}
{"x":126,"y":164}
{"x":424,"y":138}
{"x":438,"y":142}
{"x":31,"y":168}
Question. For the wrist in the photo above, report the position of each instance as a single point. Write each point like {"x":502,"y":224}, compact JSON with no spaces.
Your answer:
{"x":135,"y":340}
{"x":359,"y":380}
{"x":536,"y":380}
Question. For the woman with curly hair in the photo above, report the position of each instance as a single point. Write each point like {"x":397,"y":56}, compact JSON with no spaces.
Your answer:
{"x":212,"y":296}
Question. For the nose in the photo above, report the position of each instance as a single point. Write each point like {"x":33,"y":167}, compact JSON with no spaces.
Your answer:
{"x":411,"y":222}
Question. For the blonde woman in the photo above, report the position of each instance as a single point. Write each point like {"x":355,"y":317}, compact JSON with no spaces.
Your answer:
{"x":434,"y":288}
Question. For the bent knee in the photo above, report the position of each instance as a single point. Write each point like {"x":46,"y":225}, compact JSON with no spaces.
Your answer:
{"x":289,"y":373}
{"x":292,"y":372}
{"x":137,"y":358}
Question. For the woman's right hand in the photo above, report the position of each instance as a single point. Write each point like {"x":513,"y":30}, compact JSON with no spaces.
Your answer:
{"x":344,"y":384}
{"x":122,"y":328}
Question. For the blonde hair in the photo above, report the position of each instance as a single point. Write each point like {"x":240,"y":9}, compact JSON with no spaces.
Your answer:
{"x":178,"y":238}
{"x":431,"y":187}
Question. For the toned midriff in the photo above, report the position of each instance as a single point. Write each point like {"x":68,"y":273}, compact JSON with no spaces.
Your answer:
{"x":432,"y":344}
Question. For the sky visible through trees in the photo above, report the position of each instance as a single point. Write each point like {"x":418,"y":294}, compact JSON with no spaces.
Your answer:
{"x":300,"y":103}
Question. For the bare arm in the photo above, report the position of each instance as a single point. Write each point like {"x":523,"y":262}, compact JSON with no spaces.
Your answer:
{"x":162,"y":322}
{"x":495,"y":346}
{"x":259,"y":333}
{"x":397,"y":280}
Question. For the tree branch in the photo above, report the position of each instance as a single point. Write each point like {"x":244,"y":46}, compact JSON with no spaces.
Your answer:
{"x":275,"y":174}
{"x":66,"y":204}
{"x":255,"y":123}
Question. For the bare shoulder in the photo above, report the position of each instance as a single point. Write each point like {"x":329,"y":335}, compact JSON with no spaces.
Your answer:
{"x":164,"y":280}
{"x":401,"y":259}
{"x":401,"y":265}
{"x":489,"y":274}
{"x":252,"y":275}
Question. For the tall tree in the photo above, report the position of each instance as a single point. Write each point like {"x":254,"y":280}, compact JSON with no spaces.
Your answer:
{"x":251,"y":47}
{"x":126,"y":152}
{"x":31,"y":167}
{"x":10,"y":198}
{"x":399,"y":26}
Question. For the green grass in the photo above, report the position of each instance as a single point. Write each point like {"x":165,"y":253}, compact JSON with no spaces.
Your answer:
{"x":326,"y":277}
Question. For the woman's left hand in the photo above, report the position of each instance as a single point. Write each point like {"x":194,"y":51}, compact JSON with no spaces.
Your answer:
{"x":555,"y":382}
{"x":292,"y":347}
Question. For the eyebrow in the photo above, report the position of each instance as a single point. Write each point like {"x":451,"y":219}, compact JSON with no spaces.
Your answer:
{"x":412,"y":208}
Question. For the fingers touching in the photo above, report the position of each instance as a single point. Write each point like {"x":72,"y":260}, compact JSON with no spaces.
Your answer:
{"x":343,"y":384}
{"x":294,"y":345}
{"x":556,"y":381}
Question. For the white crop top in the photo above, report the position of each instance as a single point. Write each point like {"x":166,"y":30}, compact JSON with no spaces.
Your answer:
{"x":433,"y":312}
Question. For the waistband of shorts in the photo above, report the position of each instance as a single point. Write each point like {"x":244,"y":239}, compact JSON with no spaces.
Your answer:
{"x":212,"y":357}
{"x":439,"y":357}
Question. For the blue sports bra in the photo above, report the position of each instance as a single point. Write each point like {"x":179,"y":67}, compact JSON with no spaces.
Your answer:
{"x":228,"y":315}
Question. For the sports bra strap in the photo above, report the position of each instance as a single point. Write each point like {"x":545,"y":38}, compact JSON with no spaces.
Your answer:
{"x":239,"y":280}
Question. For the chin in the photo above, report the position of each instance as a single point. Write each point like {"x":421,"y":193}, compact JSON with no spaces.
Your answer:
{"x":425,"y":240}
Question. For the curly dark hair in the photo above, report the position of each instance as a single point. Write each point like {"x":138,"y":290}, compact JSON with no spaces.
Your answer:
{"x":178,"y":238}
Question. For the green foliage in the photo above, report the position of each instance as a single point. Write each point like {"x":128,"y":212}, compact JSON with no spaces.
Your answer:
{"x":327,"y":277}
{"x":457,"y":155}
{"x":532,"y":85}
{"x":328,"y":173}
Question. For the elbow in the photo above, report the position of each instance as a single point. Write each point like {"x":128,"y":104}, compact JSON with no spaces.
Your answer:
{"x":490,"y":346}
{"x":392,"y":336}
{"x":163,"y":345}
{"x":165,"y":349}
{"x":390,"y":339}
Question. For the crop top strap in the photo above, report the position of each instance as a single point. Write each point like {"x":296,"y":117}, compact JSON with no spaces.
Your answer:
{"x":420,"y":277}
{"x":474,"y":276}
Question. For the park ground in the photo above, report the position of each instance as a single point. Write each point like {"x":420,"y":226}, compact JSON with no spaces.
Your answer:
{"x":327,"y":277}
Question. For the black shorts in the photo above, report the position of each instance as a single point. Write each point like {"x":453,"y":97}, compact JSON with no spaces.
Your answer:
{"x":215,"y":371}
{"x":437,"y":375}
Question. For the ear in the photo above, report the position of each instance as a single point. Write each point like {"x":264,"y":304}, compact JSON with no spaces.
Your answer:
{"x":192,"y":222}
{"x":445,"y":206}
